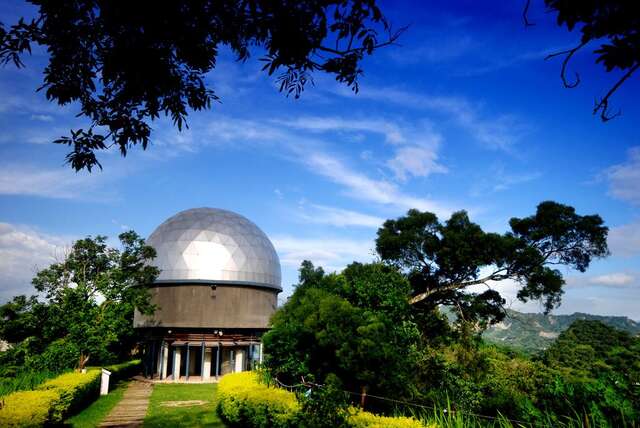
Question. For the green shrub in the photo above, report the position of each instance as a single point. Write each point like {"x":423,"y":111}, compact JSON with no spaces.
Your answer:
{"x":358,"y":419}
{"x":76,"y":390}
{"x":28,"y":408}
{"x":50,"y":402}
{"x":244,"y":401}
{"x":123,"y":371}
{"x":59,"y":356}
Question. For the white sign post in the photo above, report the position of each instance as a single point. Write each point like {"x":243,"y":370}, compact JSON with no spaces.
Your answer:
{"x":104,"y":382}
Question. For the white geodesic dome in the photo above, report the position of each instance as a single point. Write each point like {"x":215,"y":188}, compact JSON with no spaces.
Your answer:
{"x":214,"y":245}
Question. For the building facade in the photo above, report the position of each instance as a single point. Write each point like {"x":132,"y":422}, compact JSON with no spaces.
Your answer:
{"x":217,"y":289}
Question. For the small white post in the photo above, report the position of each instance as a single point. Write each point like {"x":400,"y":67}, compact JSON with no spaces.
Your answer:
{"x":104,"y":382}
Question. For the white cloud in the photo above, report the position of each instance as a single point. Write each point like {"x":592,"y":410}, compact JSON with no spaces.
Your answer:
{"x":415,"y":160}
{"x":624,"y":178}
{"x":625,"y":240}
{"x":360,"y":186}
{"x":496,"y":132}
{"x":24,"y":251}
{"x":333,"y":254}
{"x":617,"y":279}
{"x":42,"y":117}
{"x":392,"y":132}
{"x":60,"y":183}
{"x":309,"y":152}
{"x":322,"y":214}
{"x":417,"y":151}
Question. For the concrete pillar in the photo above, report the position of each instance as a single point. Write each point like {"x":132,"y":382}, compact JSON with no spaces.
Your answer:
{"x":239,"y":360}
{"x":187,"y":364}
{"x":176,"y":363}
{"x":164,"y":355}
{"x":158,"y":356}
{"x":218,"y":361}
{"x":260,"y":353}
{"x":206,"y":365}
{"x":104,"y":382}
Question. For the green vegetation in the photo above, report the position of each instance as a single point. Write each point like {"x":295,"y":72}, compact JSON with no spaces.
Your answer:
{"x":24,"y":381}
{"x":198,"y":415}
{"x":532,"y":333}
{"x":51,"y":402}
{"x":86,"y":316}
{"x":56,"y":399}
{"x":247,"y":402}
{"x":91,"y":416}
{"x":376,"y":333}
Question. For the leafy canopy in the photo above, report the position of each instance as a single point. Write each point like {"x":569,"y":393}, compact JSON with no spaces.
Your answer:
{"x":349,"y":325}
{"x":126,"y":63}
{"x":88,"y":302}
{"x":442,"y":260}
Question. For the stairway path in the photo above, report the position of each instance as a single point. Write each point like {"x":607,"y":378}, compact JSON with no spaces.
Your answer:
{"x":132,"y":409}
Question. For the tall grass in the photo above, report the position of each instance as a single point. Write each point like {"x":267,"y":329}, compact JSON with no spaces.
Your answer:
{"x":446,"y":418}
{"x":24,"y":381}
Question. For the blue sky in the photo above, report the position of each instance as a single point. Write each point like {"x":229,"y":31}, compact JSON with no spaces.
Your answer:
{"x":466,"y":114}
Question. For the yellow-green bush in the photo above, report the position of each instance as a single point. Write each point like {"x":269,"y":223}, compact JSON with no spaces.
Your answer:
{"x":50,"y":402}
{"x":76,"y":390}
{"x":27,"y":408}
{"x":244,"y":401}
{"x":358,"y":419}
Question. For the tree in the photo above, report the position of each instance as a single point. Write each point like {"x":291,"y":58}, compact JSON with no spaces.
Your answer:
{"x":442,"y":260}
{"x":89,"y":300}
{"x":126,"y":63}
{"x":614,"y":23}
{"x":350,"y":325}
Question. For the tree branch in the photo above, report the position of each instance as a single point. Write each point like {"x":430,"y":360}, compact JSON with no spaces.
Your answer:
{"x":458,"y":285}
{"x":569,"y":54}
{"x":392,"y":39}
{"x":603,"y":105}
{"x":525,"y":12}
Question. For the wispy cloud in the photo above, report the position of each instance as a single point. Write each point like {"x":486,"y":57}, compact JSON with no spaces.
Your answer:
{"x":360,"y":186}
{"x":322,"y":214}
{"x":318,"y":160}
{"x":616,"y":279}
{"x":499,"y":131}
{"x":625,"y":240}
{"x":390,"y":130}
{"x":494,"y":63}
{"x":23,"y":251}
{"x":497,"y":179}
{"x":58,"y":183}
{"x":333,"y":254}
{"x":624,"y":178}
{"x":416,"y":147}
{"x":417,"y":161}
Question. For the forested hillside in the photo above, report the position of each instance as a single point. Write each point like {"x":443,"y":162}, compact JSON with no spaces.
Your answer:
{"x":533,"y":332}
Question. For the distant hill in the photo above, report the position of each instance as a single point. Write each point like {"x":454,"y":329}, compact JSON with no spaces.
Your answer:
{"x":535,"y":332}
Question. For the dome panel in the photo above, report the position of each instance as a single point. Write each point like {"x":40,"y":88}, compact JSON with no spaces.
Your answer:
{"x":210,"y":244}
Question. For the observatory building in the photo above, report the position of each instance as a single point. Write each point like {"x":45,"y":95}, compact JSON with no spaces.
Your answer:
{"x":217,"y":289}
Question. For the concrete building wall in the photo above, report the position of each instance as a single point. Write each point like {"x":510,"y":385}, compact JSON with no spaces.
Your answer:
{"x":201,"y":306}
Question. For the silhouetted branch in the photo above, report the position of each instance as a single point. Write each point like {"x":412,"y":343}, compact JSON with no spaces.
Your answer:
{"x":603,"y":104}
{"x":391,"y":41}
{"x":525,"y":12}
{"x":569,"y":54}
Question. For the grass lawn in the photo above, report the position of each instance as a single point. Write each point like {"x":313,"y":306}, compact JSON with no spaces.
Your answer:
{"x":98,"y":410}
{"x":190,"y":416}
